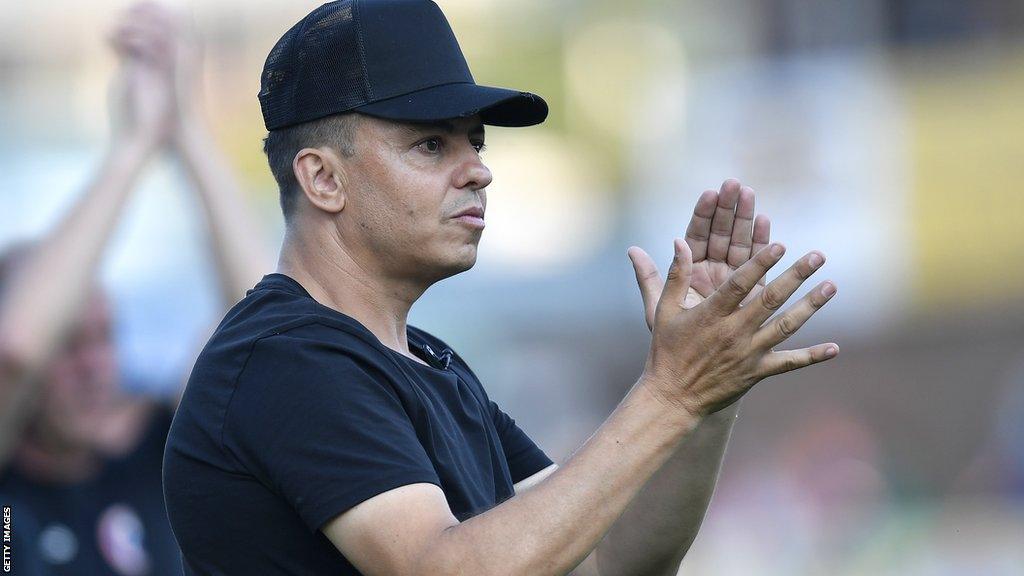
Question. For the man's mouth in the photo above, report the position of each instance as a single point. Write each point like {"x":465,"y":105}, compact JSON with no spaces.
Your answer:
{"x":472,"y":216}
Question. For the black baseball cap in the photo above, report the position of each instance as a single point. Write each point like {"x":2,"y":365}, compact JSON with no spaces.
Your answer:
{"x":394,"y":59}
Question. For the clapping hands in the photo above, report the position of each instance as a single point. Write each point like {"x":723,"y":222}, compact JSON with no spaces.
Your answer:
{"x":154,"y":95}
{"x":711,"y":319}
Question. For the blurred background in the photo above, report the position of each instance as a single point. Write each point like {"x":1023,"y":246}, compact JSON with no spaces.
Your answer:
{"x":886,"y":133}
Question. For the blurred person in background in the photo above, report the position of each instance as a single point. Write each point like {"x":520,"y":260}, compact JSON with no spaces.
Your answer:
{"x":320,"y":433}
{"x":80,"y":457}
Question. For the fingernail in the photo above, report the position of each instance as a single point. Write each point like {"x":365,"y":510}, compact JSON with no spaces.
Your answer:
{"x":776,"y":250}
{"x":828,"y":289}
{"x":815,"y":260}
{"x":831,"y":351}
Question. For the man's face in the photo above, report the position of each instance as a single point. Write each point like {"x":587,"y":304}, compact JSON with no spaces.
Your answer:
{"x":80,"y":383}
{"x":406,"y":185}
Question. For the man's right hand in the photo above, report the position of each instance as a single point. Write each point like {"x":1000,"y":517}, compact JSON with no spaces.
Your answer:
{"x":704,"y":358}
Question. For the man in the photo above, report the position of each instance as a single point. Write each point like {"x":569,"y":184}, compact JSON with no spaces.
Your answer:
{"x":80,"y":457}
{"x":320,"y":434}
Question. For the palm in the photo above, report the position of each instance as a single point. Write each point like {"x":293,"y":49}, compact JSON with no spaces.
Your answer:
{"x":708,"y":276}
{"x":722,"y":235}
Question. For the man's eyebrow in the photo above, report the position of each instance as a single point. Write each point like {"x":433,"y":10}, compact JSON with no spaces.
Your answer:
{"x":439,"y":126}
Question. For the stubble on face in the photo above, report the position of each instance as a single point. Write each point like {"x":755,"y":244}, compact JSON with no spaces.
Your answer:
{"x":403,"y":197}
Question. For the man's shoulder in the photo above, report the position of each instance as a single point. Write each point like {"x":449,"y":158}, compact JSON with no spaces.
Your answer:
{"x":279,"y":306}
{"x":276,"y":303}
{"x":317,"y":339}
{"x":292,"y":342}
{"x":279,"y":322}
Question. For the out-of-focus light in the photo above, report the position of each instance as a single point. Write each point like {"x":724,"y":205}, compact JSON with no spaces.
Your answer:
{"x":545,"y":206}
{"x":628,"y":78}
{"x":485,"y":7}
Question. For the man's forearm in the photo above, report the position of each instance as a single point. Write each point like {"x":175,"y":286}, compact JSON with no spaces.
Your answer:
{"x":239,"y":249}
{"x":48,"y":289}
{"x":654,"y":533}
{"x":551,"y":528}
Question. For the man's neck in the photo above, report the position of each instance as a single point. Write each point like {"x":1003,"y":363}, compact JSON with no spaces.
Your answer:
{"x":337,"y":280}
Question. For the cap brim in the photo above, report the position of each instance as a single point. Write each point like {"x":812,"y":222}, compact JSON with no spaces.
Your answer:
{"x":496,"y":106}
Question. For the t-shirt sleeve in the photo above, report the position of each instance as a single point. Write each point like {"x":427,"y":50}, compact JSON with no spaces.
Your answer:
{"x":524,"y":457}
{"x":320,"y":428}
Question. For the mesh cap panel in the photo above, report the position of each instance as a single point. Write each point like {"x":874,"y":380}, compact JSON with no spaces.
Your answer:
{"x":315,"y":69}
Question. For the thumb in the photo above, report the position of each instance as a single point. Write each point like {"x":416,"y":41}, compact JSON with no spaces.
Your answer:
{"x":648,"y":279}
{"x":677,"y":284}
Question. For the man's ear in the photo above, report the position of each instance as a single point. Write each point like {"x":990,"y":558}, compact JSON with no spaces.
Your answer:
{"x":322,"y":178}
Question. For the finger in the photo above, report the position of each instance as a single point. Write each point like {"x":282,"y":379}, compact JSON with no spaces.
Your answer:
{"x":699,"y":229}
{"x":145,"y":48}
{"x":649,"y":281}
{"x":728,"y":296}
{"x":786,"y":324}
{"x":146,"y":8}
{"x":677,"y":281}
{"x":147,"y":53}
{"x":721,"y":224}
{"x":135,"y":34}
{"x":789,"y":360}
{"x":158,"y":22}
{"x":775,"y":294}
{"x":136,"y":21}
{"x":742,"y":228}
{"x":762,"y":236}
{"x":155,"y":33}
{"x":152,"y":22}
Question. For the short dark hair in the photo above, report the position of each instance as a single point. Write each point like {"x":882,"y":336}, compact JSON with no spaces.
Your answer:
{"x":281,"y":146}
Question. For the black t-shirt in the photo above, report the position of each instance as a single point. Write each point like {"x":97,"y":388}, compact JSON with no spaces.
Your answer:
{"x":296,"y":412}
{"x":113,"y":524}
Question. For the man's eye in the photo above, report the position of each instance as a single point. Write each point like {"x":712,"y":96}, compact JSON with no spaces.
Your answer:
{"x":431,"y":145}
{"x":480,"y":147}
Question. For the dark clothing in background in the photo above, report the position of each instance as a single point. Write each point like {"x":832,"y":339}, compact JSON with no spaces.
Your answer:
{"x":114,"y":524}
{"x":296,"y":412}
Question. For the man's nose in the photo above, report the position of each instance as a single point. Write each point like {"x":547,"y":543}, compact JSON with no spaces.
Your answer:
{"x":473,"y":174}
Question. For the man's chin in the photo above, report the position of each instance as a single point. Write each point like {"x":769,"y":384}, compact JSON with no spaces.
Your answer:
{"x":459,"y":262}
{"x":462,"y":265}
